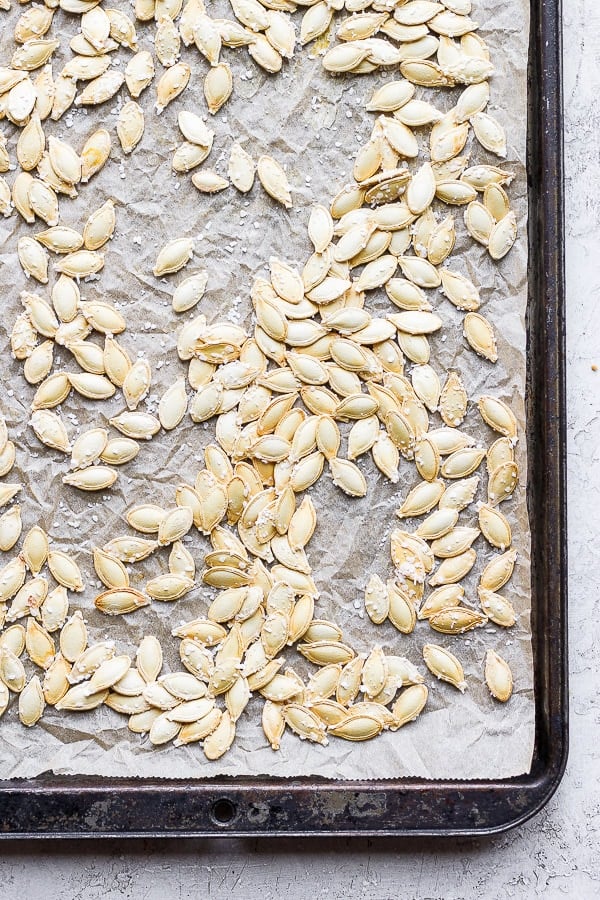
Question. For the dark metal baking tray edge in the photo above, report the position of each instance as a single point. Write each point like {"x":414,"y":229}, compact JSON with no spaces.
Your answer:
{"x":52,"y":806}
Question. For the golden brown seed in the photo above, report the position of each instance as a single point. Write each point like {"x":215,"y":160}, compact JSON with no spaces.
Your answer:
{"x":304,"y":722}
{"x":357,"y":727}
{"x":498,"y":676}
{"x":56,"y":683}
{"x":38,"y":644}
{"x":498,"y":415}
{"x":79,"y":699}
{"x":402,"y":612}
{"x":456,"y":620}
{"x":502,"y":482}
{"x":100,"y":226}
{"x":110,"y":570}
{"x":498,"y":571}
{"x":118,"y":601}
{"x":220,"y":740}
{"x":409,"y":705}
{"x":495,"y":527}
{"x":65,"y":570}
{"x":95,"y":153}
{"x":31,"y":702}
{"x":497,"y":608}
{"x":480,"y":335}
{"x":444,"y":665}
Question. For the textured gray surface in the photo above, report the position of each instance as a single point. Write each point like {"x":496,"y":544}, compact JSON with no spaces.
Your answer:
{"x":554,"y":855}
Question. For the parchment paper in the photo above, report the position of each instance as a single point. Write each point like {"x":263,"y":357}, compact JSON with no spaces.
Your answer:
{"x":313,"y":123}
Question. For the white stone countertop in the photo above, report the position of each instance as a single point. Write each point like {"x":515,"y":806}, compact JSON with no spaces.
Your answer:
{"x":557,"y":853}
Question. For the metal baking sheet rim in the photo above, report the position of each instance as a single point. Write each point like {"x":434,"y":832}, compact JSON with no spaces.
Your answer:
{"x":52,"y":806}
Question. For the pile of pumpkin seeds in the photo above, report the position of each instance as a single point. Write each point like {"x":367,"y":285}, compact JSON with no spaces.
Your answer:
{"x":318,"y":372}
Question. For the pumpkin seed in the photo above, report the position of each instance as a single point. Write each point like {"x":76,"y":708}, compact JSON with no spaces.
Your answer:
{"x":498,"y":676}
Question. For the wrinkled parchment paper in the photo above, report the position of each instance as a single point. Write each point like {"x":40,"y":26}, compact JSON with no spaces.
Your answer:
{"x":313,"y":124}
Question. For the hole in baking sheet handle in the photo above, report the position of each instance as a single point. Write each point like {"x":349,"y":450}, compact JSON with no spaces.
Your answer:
{"x":223,"y":812}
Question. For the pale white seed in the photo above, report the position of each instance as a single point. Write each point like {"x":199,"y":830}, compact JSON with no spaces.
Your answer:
{"x":137,"y":383}
{"x":274,"y":180}
{"x":194,"y":129}
{"x":92,"y":386}
{"x":444,"y":597}
{"x":498,"y":415}
{"x":241,"y":168}
{"x":89,"y":659}
{"x":119,"y":451}
{"x":33,"y":259}
{"x":497,"y":608}
{"x":101,"y":89}
{"x":60,"y":239}
{"x":31,"y":144}
{"x":453,"y":569}
{"x":137,"y":425}
{"x":503,"y":236}
{"x":207,"y":181}
{"x":173,"y":256}
{"x":50,"y":430}
{"x":455,"y":542}
{"x":80,"y":264}
{"x":92,"y":478}
{"x":109,"y":673}
{"x":35,"y":549}
{"x":460,"y":290}
{"x":489,"y":133}
{"x":187,"y":156}
{"x":168,"y":587}
{"x":103,"y":318}
{"x":189,"y":292}
{"x":21,"y":100}
{"x":39,"y":364}
{"x":498,"y":571}
{"x":63,"y":96}
{"x":173,"y":405}
{"x":122,"y":29}
{"x":460,"y":494}
{"x":149,"y":658}
{"x":315,"y":21}
{"x":73,"y":637}
{"x":175,"y":525}
{"x":139,"y":73}
{"x":320,"y":228}
{"x":218,"y":85}
{"x":10,"y":528}
{"x":166,"y":41}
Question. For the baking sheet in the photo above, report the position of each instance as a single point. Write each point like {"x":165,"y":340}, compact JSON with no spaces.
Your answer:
{"x":302,"y":117}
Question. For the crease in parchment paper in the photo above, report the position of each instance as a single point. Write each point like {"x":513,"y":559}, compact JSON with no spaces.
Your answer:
{"x":313,"y":124}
